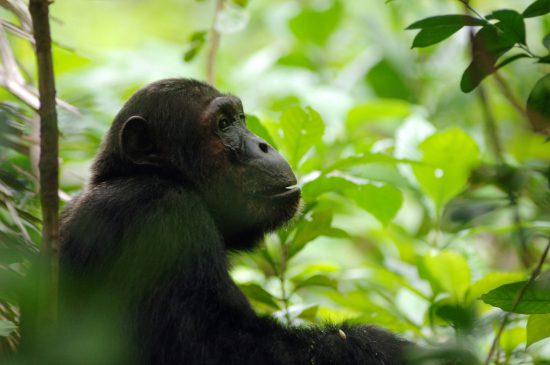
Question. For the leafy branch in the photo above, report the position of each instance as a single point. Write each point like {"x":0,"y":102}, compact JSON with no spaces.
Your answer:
{"x":534,"y":274}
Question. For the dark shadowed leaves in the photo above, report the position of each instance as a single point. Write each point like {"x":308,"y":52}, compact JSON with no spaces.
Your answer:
{"x":538,"y":106}
{"x":536,"y":299}
{"x":487,"y":46}
{"x":435,"y":29}
{"x":511,"y":24}
{"x":538,"y":8}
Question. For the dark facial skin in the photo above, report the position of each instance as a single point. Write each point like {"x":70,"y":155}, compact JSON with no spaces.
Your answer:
{"x":259,"y":182}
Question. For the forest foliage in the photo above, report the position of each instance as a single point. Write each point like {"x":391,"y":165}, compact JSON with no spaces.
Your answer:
{"x":424,"y":171}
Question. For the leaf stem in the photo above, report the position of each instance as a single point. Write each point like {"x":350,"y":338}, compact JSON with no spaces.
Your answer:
{"x":467,"y":5}
{"x":282,"y":278}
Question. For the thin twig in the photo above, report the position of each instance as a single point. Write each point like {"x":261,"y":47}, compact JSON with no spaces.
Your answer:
{"x":214,"y":43}
{"x":490,"y":125}
{"x":517,"y":299}
{"x":282,"y":273}
{"x":505,"y":90}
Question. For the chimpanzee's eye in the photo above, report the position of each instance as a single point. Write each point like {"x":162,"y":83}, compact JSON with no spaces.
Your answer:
{"x":223,"y":123}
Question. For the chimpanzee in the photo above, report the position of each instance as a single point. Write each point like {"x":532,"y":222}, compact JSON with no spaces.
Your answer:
{"x":178,"y":183}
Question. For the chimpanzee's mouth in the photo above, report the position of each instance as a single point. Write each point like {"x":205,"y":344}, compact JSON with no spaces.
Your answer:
{"x":279,"y":192}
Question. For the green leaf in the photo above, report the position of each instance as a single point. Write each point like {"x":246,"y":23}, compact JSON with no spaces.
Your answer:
{"x":488,"y":45}
{"x":316,"y":25}
{"x":381,"y":200}
{"x":302,"y":130}
{"x":390,"y":81}
{"x":259,"y":294}
{"x":546,"y":41}
{"x":544,"y":59}
{"x":538,"y":328}
{"x":512,"y":338}
{"x":378,"y":109}
{"x":315,"y":280}
{"x":325,"y":184}
{"x":431,"y":36}
{"x":511,"y":59}
{"x":536,"y":299}
{"x":491,"y":281}
{"x":254,"y":124}
{"x":196,"y":42}
{"x":448,"y":159}
{"x":309,"y":313}
{"x":538,"y":8}
{"x":311,"y":227}
{"x":538,"y":106}
{"x":6,"y":328}
{"x":447,"y":21}
{"x":449,"y":272}
{"x":435,"y":29}
{"x":511,"y":24}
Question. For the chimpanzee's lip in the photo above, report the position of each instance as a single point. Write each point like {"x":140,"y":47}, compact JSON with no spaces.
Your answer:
{"x":279,"y":192}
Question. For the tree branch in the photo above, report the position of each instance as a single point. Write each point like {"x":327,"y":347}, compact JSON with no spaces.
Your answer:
{"x":517,"y":300}
{"x":214,"y":44}
{"x":48,"y":166}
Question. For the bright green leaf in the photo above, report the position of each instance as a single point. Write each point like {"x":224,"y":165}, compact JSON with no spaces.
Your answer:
{"x":538,"y":8}
{"x":326,"y":184}
{"x":315,"y":280}
{"x":536,"y":299}
{"x":449,"y":272}
{"x":302,"y":130}
{"x":376,"y":110}
{"x":254,"y":124}
{"x":316,"y":25}
{"x":538,"y":106}
{"x":538,"y":328}
{"x":382,"y":201}
{"x":309,"y":229}
{"x":511,"y":338}
{"x":449,"y":157}
{"x":309,"y":313}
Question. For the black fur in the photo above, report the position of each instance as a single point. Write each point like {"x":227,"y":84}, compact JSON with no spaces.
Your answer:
{"x":146,"y":243}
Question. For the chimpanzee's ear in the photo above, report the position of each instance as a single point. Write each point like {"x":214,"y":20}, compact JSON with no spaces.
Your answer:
{"x":137,"y":143}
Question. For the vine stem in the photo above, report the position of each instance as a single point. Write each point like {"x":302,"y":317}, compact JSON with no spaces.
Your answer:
{"x":505,"y":89}
{"x":282,"y":271}
{"x":214,"y":44}
{"x":469,"y":7}
{"x":534,"y":274}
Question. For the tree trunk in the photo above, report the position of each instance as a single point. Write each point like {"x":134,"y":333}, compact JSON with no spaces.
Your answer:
{"x":48,"y":166}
